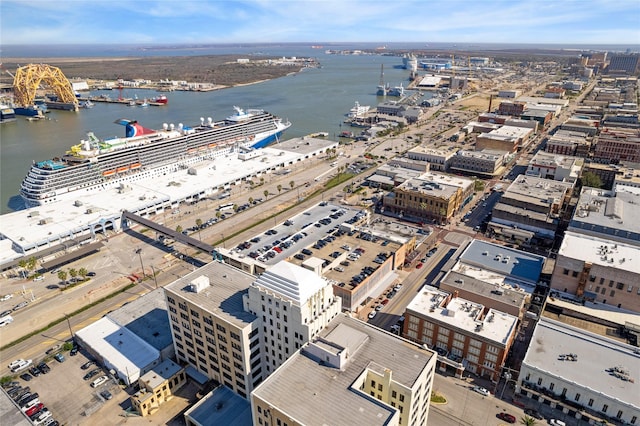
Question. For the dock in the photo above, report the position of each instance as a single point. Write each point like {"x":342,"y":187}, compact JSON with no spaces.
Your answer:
{"x":126,"y":102}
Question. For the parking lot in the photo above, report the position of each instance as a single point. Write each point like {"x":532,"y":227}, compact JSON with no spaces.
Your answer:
{"x":69,"y":398}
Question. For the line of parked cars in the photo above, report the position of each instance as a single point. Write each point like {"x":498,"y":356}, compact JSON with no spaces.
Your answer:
{"x":30,"y":404}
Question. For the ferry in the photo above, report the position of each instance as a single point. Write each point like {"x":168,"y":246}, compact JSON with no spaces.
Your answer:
{"x":358,"y":110}
{"x":94,"y":165}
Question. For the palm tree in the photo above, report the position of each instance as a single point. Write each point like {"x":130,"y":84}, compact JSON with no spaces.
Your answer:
{"x":218,"y":214}
{"x":279,"y":188}
{"x":235,"y":208}
{"x":73,"y":273}
{"x":292,"y":184}
{"x":261,"y":180}
{"x":266,"y":193}
{"x":178,"y":229}
{"x":62,"y":276}
{"x":527,"y":421}
{"x":83,"y":273}
{"x":251,"y":200}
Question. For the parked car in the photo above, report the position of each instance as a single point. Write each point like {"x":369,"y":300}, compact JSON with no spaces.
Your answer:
{"x":556,"y":422}
{"x":372,"y":314}
{"x":34,"y":371}
{"x":59,"y":357}
{"x":100,"y":380}
{"x":26,"y":377}
{"x":19,"y":365}
{"x":44,"y":368}
{"x":507,"y":417}
{"x":91,"y":373}
{"x":106,"y":394}
{"x":481,"y":390}
{"x":533,"y":413}
{"x":87,"y":364}
{"x":74,"y":350}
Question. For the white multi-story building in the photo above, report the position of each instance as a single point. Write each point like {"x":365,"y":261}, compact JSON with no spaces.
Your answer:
{"x":294,"y":304}
{"x":351,"y":373}
{"x":585,"y":375}
{"x":237,"y":329}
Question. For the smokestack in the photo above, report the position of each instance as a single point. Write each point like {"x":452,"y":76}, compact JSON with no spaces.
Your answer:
{"x":490,"y":101}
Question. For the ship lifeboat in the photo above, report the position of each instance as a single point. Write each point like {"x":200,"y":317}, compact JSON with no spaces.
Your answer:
{"x":213,"y":145}
{"x":135,"y":166}
{"x":108,"y":173}
{"x":122,"y":169}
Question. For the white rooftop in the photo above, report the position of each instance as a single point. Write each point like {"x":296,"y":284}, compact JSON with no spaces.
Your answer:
{"x":595,"y":355}
{"x":121,"y":349}
{"x":291,"y":281}
{"x":601,"y":251}
{"x":463,"y":314}
{"x":65,"y":218}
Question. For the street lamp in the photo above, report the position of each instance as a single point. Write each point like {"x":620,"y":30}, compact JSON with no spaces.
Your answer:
{"x":139,"y":253}
{"x":155,"y":279}
{"x":69,"y":324}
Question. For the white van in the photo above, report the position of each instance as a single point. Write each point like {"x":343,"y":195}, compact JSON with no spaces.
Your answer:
{"x":100,"y":380}
{"x":6,"y":320}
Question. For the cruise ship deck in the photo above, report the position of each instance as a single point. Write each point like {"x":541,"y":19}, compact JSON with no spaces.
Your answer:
{"x":31,"y":231}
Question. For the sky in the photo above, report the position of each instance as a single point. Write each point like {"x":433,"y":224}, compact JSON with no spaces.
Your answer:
{"x":258,"y":21}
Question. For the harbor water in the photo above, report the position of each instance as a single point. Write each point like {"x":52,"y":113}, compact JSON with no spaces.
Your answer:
{"x":314,"y":100}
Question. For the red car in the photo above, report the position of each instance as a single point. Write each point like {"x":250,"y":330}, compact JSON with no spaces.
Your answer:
{"x":507,"y":417}
{"x":419,"y":265}
{"x":31,"y":411}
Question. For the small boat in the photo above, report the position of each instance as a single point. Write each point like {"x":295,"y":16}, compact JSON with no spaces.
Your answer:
{"x":162,"y":99}
{"x":132,"y":103}
{"x":86,"y":104}
{"x":346,"y":134}
{"x":144,"y":104}
{"x":108,"y":173}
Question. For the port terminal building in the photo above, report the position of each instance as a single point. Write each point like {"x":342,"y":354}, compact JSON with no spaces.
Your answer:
{"x":65,"y":226}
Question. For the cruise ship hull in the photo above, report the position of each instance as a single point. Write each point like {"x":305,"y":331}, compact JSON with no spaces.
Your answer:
{"x":93,"y":165}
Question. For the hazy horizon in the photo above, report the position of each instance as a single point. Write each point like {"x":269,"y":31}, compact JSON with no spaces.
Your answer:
{"x":144,"y":22}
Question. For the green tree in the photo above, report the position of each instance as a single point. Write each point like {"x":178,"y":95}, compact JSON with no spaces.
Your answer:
{"x":32,"y":262}
{"x":251,"y":200}
{"x":218,"y":214}
{"x":83,"y":273}
{"x":62,"y":276}
{"x":235,"y":208}
{"x":592,"y":180}
{"x":279,"y":187}
{"x":527,"y":421}
{"x":261,"y":180}
{"x":292,"y":184}
{"x":266,"y":193}
{"x":73,"y":273}
{"x":178,"y":229}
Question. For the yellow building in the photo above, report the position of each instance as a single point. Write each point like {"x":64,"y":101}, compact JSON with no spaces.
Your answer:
{"x":157,"y":386}
{"x":430,"y":197}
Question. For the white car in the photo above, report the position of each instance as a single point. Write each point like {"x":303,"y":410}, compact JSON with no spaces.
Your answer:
{"x":557,"y":422}
{"x":372,"y":314}
{"x":481,"y":390}
{"x":21,"y":365}
{"x":6,"y":297}
{"x":38,"y":278}
{"x":100,"y":380}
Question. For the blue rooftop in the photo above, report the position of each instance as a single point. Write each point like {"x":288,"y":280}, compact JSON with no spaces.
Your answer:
{"x":221,"y":407}
{"x":504,"y":260}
